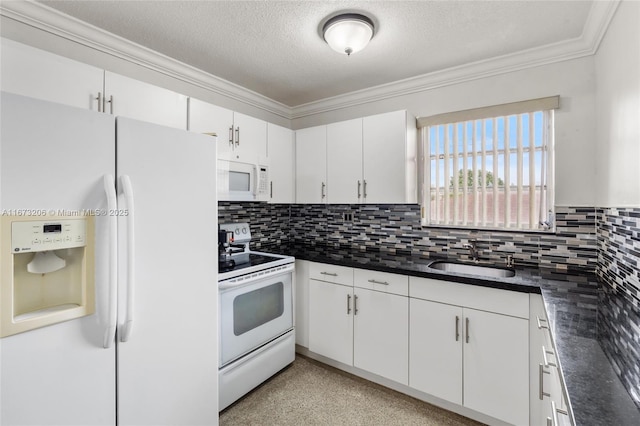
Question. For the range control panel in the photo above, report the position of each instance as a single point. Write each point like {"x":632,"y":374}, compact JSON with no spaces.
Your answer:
{"x":32,"y":236}
{"x":241,"y":231}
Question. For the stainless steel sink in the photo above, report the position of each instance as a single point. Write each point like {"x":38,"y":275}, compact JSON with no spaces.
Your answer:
{"x":464,"y":268}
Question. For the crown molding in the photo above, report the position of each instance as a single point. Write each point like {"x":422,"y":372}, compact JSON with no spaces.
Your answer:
{"x":50,"y":20}
{"x":54,"y":22}
{"x":587,"y":44}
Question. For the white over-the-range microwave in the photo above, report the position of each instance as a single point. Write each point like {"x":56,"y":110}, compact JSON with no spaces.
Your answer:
{"x":242,"y":181}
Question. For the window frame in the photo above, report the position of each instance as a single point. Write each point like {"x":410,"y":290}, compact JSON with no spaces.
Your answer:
{"x":546,"y":105}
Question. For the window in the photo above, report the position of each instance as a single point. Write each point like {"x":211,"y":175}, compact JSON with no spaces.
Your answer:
{"x":489,"y":167}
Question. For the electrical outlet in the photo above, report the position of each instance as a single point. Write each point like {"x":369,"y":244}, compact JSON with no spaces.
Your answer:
{"x":347,"y":217}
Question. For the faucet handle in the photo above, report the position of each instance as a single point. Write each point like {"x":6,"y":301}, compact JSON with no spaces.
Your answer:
{"x":510,"y":262}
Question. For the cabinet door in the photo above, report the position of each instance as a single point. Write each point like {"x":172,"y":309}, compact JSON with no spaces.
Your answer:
{"x":32,"y":72}
{"x":381,"y":334}
{"x":250,"y":145}
{"x":496,"y":370}
{"x":344,"y":162}
{"x":435,"y":349}
{"x":331,"y":320}
{"x":385,"y":158}
{"x":207,"y":118}
{"x":311,"y":165}
{"x":280,"y":154}
{"x":146,"y":102}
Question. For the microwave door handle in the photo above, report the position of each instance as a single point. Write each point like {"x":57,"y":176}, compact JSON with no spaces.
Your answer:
{"x":256,"y":178}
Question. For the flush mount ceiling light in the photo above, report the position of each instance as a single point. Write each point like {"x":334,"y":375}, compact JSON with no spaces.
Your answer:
{"x":348,"y":33}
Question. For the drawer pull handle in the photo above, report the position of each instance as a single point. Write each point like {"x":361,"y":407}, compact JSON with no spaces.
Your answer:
{"x":539,"y":321}
{"x":378,"y":282}
{"x":331,"y":274}
{"x":541,"y":373}
{"x":544,"y":357}
{"x":554,"y":412}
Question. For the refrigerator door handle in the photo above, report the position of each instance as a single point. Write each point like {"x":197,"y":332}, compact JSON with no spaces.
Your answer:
{"x":112,"y":309}
{"x":127,"y":327}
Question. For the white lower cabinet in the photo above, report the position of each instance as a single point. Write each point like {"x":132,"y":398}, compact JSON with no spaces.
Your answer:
{"x":331,"y":321}
{"x":381,"y":334}
{"x":470,"y":345}
{"x":362,"y":327}
{"x":465,"y":344}
{"x":496,"y":366}
{"x":435,"y":349}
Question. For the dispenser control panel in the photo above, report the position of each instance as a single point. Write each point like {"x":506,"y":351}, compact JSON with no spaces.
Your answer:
{"x":33,"y":236}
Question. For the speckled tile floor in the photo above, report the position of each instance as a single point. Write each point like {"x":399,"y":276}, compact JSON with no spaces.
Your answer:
{"x":310,"y":393}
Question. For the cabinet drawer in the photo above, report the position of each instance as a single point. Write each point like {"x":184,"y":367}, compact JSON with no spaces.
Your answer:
{"x":483,"y":298}
{"x":331,"y":273}
{"x":381,"y":281}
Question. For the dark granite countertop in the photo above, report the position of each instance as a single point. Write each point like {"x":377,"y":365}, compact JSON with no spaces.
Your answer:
{"x":596,"y":395}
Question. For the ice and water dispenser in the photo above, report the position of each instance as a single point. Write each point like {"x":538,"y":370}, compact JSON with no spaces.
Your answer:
{"x":46,"y":271}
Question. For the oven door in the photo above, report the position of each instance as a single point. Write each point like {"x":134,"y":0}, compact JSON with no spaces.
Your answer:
{"x":254,"y":312}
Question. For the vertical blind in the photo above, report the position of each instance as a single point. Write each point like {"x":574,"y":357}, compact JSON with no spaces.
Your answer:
{"x":489,"y":167}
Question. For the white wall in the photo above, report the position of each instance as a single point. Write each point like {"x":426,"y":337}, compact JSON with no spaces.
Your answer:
{"x":573,"y":80}
{"x":618,"y":110}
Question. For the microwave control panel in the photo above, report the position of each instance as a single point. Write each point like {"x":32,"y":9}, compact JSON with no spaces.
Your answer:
{"x":45,"y":235}
{"x":263,"y":179}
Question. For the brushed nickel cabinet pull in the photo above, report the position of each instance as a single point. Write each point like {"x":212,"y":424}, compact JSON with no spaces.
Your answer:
{"x":322,"y":190}
{"x":332,"y":274}
{"x":355,"y":304}
{"x":541,"y":373}
{"x":110,"y":102}
{"x":539,"y":320}
{"x":544,"y":357}
{"x":457,"y":328}
{"x":554,"y":413}
{"x":99,"y":99}
{"x":238,"y":136}
{"x":271,"y":189}
{"x":467,"y":329}
{"x":378,"y":282}
{"x":231,"y":136}
{"x":348,"y":304}
{"x":359,"y":194}
{"x":364,"y":188}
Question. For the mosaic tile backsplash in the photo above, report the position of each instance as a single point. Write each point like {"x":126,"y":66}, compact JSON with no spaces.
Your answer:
{"x":601,"y":241}
{"x":619,"y":297}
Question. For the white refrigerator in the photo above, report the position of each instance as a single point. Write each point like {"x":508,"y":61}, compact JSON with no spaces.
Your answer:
{"x":148,"y":355}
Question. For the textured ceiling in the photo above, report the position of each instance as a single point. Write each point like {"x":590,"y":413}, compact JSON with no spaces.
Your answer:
{"x":275,"y":48}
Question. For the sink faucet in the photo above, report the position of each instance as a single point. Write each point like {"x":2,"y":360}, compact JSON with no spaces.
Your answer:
{"x":473,"y":250}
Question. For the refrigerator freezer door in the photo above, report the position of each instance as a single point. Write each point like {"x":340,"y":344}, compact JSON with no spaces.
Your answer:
{"x":53,"y":157}
{"x":167,"y":370}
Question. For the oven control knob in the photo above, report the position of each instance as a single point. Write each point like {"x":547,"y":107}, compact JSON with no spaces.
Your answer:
{"x":237,"y":231}
{"x":244,"y":230}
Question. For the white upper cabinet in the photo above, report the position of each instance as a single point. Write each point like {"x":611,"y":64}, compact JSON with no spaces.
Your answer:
{"x":43,"y":75}
{"x":250,"y":144}
{"x":131,"y":98}
{"x":32,"y":72}
{"x":311,"y":165}
{"x":281,"y":164}
{"x":344,"y":162}
{"x":368,"y":160}
{"x":240,"y":137}
{"x":389,"y":158}
{"x":208,"y":118}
